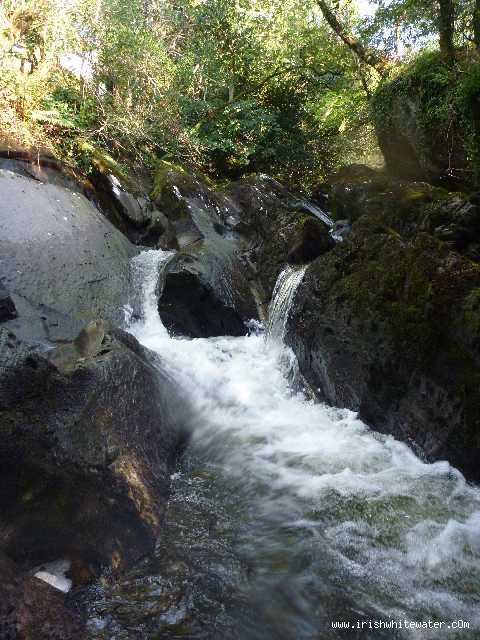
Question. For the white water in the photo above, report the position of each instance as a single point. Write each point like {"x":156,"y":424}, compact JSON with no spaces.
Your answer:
{"x":334,"y":508}
{"x":281,"y":302}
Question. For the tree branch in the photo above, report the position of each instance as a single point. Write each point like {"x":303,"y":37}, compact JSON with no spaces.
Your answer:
{"x":369,"y":56}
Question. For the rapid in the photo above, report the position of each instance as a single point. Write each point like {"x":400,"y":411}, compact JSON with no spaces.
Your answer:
{"x":288,"y":515}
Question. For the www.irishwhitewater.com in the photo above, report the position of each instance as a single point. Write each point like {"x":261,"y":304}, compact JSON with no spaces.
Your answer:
{"x":400,"y":624}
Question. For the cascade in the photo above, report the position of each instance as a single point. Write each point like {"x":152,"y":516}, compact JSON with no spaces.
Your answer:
{"x":283,"y":294}
{"x":294,"y":514}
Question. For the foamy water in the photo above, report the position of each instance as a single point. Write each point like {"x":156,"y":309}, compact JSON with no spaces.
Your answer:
{"x":341,"y":519}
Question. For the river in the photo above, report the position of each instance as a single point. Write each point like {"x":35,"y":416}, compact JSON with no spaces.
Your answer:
{"x":288,"y":516}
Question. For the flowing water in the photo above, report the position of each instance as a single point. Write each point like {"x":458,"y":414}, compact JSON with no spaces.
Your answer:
{"x":287,"y":515}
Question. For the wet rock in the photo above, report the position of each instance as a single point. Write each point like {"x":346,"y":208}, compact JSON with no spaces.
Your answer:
{"x":160,"y":232}
{"x":7,"y":306}
{"x":122,"y":199}
{"x":189,"y":205}
{"x":30,"y":609}
{"x":207,"y":289}
{"x":267,"y":217}
{"x":190,"y":306}
{"x":63,"y":263}
{"x":387,"y":324}
{"x":341,"y":229}
{"x":312,"y":240}
{"x":130,"y":209}
{"x":86,"y":452}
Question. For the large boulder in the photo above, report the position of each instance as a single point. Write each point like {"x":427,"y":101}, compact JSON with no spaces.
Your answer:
{"x":427,"y":120}
{"x":234,"y":243}
{"x":62,"y":263}
{"x":86,"y":449}
{"x":197,"y":303}
{"x":387,"y":323}
{"x":88,"y":428}
{"x":121,"y":197}
{"x":207,"y":288}
{"x":270,"y":220}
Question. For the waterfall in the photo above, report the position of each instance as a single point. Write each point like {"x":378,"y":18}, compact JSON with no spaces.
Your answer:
{"x":330,"y":520}
{"x":317,"y":212}
{"x":148,"y":279}
{"x":282,"y":299}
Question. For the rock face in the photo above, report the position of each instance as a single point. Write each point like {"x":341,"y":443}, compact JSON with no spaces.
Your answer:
{"x":132,"y":211}
{"x":208,"y":286}
{"x":270,"y":220}
{"x":85,"y":453}
{"x":123,"y":200}
{"x":31,"y":609}
{"x":7,"y":306}
{"x":388,"y":322}
{"x":90,"y":424}
{"x":312,"y":240}
{"x":62,"y":263}
{"x":426,"y":120}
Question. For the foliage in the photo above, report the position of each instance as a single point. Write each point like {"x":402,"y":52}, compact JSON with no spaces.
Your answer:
{"x":222,"y":86}
{"x":400,"y":27}
{"x":446,"y":99}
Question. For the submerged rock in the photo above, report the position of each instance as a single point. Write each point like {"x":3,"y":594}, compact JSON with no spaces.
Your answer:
{"x":386,"y":324}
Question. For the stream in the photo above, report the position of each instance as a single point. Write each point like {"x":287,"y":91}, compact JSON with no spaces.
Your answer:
{"x":287,"y":515}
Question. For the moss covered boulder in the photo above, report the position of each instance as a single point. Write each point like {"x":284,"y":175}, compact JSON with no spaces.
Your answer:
{"x":387,"y":323}
{"x":426,"y":119}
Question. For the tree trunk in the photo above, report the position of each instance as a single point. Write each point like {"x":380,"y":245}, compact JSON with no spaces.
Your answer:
{"x":367,"y":55}
{"x":476,"y":24}
{"x":445,"y":30}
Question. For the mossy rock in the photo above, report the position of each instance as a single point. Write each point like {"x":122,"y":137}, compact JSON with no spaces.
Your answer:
{"x":426,"y":120}
{"x":311,"y":240}
{"x":388,"y":324}
{"x":471,"y":311}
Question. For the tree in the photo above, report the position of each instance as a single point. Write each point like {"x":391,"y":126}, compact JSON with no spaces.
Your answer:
{"x":368,"y":55}
{"x":476,"y":24}
{"x":446,"y":30}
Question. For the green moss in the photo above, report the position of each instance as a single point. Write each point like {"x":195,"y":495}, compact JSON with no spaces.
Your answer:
{"x":444,"y":100}
{"x":426,"y":75}
{"x":407,"y":284}
{"x":91,"y":157}
{"x":471,"y":311}
{"x":163,"y":176}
